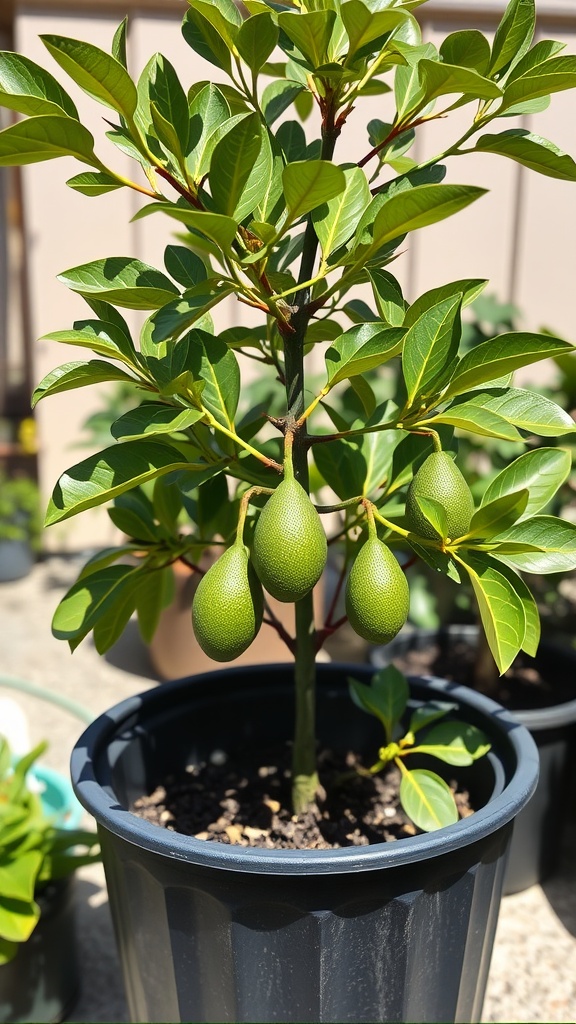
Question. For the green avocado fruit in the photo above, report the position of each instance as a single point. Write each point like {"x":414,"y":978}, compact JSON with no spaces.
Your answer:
{"x":440,"y":480}
{"x":377,"y":594}
{"x":290,"y":549}
{"x":228,"y":606}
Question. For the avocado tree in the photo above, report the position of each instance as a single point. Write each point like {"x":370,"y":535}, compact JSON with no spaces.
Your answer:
{"x":290,"y":224}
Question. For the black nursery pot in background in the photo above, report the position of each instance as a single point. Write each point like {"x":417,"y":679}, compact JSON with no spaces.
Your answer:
{"x":538,"y":829}
{"x":394,"y":931}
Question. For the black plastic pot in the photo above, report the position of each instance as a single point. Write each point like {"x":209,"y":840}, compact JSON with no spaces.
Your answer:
{"x":208,"y":932}
{"x":538,"y":829}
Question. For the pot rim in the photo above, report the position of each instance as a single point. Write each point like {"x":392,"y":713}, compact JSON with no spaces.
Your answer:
{"x":102,"y":803}
{"x":535,"y":719}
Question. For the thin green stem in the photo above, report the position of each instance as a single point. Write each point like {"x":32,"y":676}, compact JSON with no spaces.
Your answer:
{"x":213,"y":422}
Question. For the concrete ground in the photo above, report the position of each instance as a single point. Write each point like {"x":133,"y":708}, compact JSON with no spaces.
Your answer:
{"x":533,"y":973}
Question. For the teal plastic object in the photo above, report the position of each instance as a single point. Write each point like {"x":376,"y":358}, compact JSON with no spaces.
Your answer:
{"x":41,"y":984}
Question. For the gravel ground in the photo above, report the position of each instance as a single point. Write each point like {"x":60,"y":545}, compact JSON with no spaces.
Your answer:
{"x":533,"y":974}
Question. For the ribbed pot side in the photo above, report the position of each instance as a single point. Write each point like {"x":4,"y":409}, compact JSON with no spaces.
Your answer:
{"x":395,"y":931}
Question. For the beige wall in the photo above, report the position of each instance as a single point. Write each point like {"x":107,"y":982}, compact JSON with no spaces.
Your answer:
{"x":520,"y":235}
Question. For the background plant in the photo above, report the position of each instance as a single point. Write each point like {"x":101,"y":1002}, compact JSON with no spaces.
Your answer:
{"x":33,"y":851}
{"x":272,"y":219}
{"x":20,"y":517}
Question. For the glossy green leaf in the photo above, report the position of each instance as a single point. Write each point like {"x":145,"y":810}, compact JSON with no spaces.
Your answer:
{"x":530,"y":150}
{"x":427,"y":800}
{"x":469,"y":289}
{"x":537,"y":55}
{"x":18,"y":919}
{"x":18,"y":877}
{"x":104,"y":339}
{"x":210,"y":360}
{"x":45,"y":137}
{"x":386,"y":697}
{"x":122,"y":281}
{"x":256,"y":40}
{"x":513,"y":35}
{"x":415,"y":208}
{"x":171,"y":321}
{"x":335,"y":221}
{"x":205,"y":40}
{"x":208,"y":111}
{"x":154,"y":593}
{"x":455,"y":743}
{"x":342,"y":467}
{"x":501,"y":607}
{"x":95,"y":71}
{"x":476,"y":418}
{"x":365,"y":25}
{"x":430,"y":345}
{"x":468,"y":48}
{"x":542,"y":472}
{"x":309,"y":183}
{"x":94,"y":183}
{"x":152,"y":419}
{"x":428,"y":713}
{"x":223,"y":15}
{"x":215,"y":226}
{"x":360,"y":349}
{"x":88,"y":601}
{"x":310,"y":33}
{"x":184,"y":266}
{"x":102,"y":476}
{"x":29,"y":89}
{"x":78,"y":375}
{"x":556,"y":539}
{"x":493,"y":517}
{"x":435,"y":513}
{"x":552,"y":76}
{"x":499,"y":356}
{"x":531,"y":614}
{"x":388,"y":295}
{"x":277,"y":97}
{"x":528,"y":411}
{"x":119,"y":42}
{"x":169,"y":107}
{"x":231,"y":165}
{"x":441,"y":79}
{"x":265,"y":182}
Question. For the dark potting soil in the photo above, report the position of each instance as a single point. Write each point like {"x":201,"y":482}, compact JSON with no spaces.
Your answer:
{"x":250,"y":807}
{"x":524,"y":687}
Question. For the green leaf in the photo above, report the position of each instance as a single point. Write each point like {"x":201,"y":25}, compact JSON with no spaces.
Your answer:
{"x":428,"y":713}
{"x":208,"y":111}
{"x":360,"y":349}
{"x":168,"y":107}
{"x":552,"y":76}
{"x":205,"y":40}
{"x":97,"y":73}
{"x":542,"y":472}
{"x":256,"y":40}
{"x":555,"y":538}
{"x":88,"y":601}
{"x":499,"y":356}
{"x":309,"y":183}
{"x":277,"y":97}
{"x":427,"y":800}
{"x":78,"y":375}
{"x":211,"y":361}
{"x":412,"y":209}
{"x":513,"y":35}
{"x":119,"y":42}
{"x":527,"y":410}
{"x":469,"y":290}
{"x":386,"y":697}
{"x":94,"y":183}
{"x":215,"y":226}
{"x":154,"y":593}
{"x":310,"y":33}
{"x":531,"y":614}
{"x":493,"y":517}
{"x":18,"y":918}
{"x":102,"y":476}
{"x":18,"y":876}
{"x":45,"y":137}
{"x":340,"y":465}
{"x":122,"y":281}
{"x":223,"y":15}
{"x":172,"y":320}
{"x":151,"y":419}
{"x":365,"y":25}
{"x":468,"y":48}
{"x":441,"y":79}
{"x":265,"y":182}
{"x":475,"y":417}
{"x":454,"y":743}
{"x":230,"y":168}
{"x":336,"y":220}
{"x":531,"y":151}
{"x":29,"y":89}
{"x":501,"y":606}
{"x":105,"y":339}
{"x":184,"y":266}
{"x":430,"y":346}
{"x":388,"y":295}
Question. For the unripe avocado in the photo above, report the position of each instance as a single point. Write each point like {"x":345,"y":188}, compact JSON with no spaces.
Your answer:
{"x":290,"y":548}
{"x":440,"y":479}
{"x":228,"y":606}
{"x":377,"y":595}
